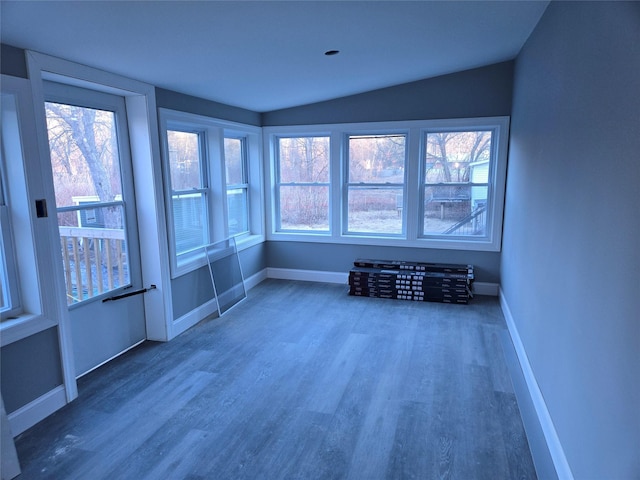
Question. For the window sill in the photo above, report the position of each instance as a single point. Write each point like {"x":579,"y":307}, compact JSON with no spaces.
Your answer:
{"x":481,"y":244}
{"x":248,"y":241}
{"x":23,"y":326}
{"x":188,"y":262}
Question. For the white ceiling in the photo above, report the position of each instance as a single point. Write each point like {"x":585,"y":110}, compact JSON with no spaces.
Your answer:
{"x":267,"y":55}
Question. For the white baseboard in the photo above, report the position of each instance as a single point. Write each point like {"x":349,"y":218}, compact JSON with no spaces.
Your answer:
{"x":40,"y":408}
{"x":546,"y":423}
{"x":307,"y":275}
{"x":192,"y":317}
{"x":255,"y":279}
{"x":198,"y":314}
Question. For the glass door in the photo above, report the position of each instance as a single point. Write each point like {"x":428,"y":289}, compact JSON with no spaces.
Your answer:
{"x":93,"y":184}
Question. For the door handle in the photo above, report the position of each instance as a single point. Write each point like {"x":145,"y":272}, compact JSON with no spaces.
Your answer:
{"x":129,"y":294}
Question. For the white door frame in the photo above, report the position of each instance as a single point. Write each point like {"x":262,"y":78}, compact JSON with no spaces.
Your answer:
{"x":145,"y":146}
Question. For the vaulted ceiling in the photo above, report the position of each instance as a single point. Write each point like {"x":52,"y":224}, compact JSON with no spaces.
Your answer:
{"x":268,"y":55}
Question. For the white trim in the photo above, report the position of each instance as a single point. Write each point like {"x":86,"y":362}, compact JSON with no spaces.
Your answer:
{"x":255,"y":279}
{"x":50,"y":301}
{"x":22,"y":327}
{"x":546,"y":423}
{"x":111,"y":358}
{"x":209,"y":308}
{"x":40,"y":408}
{"x":486,"y":288}
{"x":148,"y":186}
{"x":307,"y":275}
{"x":193,"y":317}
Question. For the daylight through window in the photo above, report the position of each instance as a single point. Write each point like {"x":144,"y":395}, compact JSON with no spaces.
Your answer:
{"x":432,"y":183}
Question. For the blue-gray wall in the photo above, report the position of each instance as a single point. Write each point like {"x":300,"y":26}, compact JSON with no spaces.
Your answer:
{"x":30,"y":368}
{"x":12,"y":61}
{"x":571,"y":247}
{"x":339,"y":258}
{"x":207,"y":108}
{"x":481,"y":92}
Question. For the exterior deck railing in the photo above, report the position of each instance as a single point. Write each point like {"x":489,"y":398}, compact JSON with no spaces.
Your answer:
{"x":472,"y":224}
{"x":94,"y":261}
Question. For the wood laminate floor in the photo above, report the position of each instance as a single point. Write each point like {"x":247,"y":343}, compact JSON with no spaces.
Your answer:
{"x":300,"y":381}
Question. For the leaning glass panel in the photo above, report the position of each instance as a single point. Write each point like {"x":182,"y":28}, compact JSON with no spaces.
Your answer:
{"x":226,"y":274}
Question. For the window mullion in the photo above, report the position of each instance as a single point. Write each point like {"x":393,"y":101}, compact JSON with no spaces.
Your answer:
{"x":413,"y":190}
{"x":218,"y":228}
{"x":336,"y":174}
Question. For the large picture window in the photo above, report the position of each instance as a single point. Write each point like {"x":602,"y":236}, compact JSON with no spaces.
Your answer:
{"x":431,"y":184}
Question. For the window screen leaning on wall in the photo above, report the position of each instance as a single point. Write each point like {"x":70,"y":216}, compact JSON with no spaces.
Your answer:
{"x":432,"y":184}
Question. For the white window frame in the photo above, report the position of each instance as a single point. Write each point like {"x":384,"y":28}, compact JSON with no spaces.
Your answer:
{"x":278,"y":184}
{"x":244,"y":185}
{"x":35,"y":312}
{"x":213,"y":132}
{"x":10,"y":150}
{"x":414,"y":183}
{"x":389,"y":186}
{"x":203,"y":189}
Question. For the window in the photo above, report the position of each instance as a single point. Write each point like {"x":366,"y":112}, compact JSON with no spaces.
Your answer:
{"x":86,"y":160}
{"x":456,"y":182}
{"x":375,"y":189}
{"x":213,"y":184}
{"x":302,"y":186}
{"x":237,"y":182}
{"x":25,"y":278}
{"x":188,"y":181}
{"x":9,"y":295}
{"x":432,"y":184}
